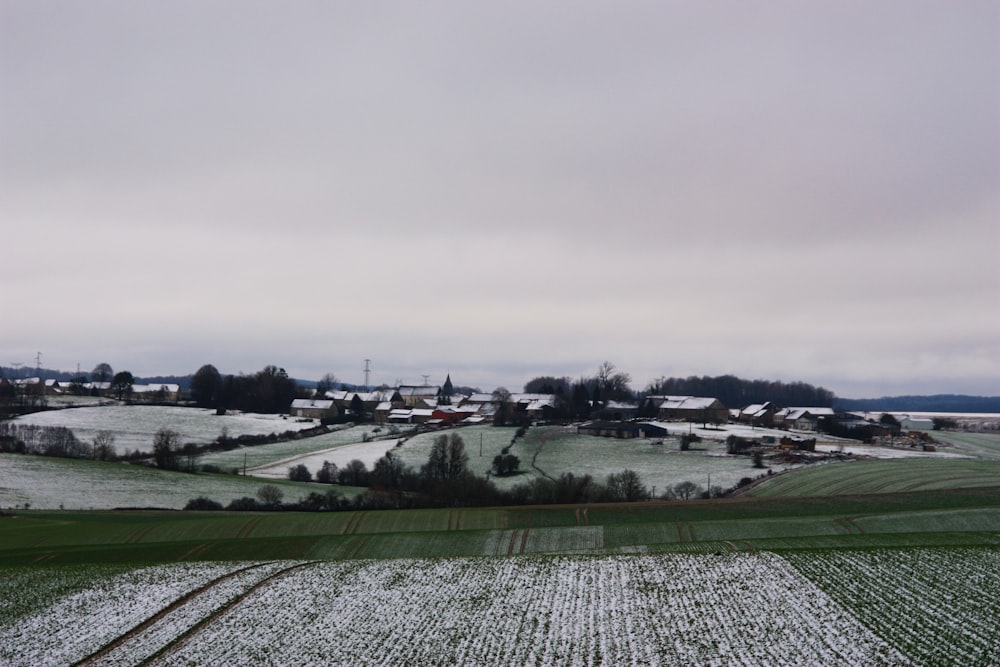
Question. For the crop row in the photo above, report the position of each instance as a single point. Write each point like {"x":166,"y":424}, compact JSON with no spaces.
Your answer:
{"x":876,"y":607}
{"x":734,"y":609}
{"x":939,"y":604}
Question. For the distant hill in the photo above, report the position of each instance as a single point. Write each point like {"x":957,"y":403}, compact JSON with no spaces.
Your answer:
{"x":935,"y":403}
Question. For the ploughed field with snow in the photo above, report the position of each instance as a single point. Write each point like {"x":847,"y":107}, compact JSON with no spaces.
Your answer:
{"x":874,"y":607}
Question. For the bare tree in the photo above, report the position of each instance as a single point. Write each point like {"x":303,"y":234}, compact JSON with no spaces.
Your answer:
{"x":327,"y":473}
{"x":102,"y":373}
{"x":325,"y":384}
{"x":104,"y":446}
{"x":447,"y":460}
{"x":355,"y":473}
{"x":270,"y":495}
{"x":165,"y":446}
{"x":612,"y":383}
{"x":122,"y":383}
{"x":626,"y":486}
{"x":687,"y":490}
{"x":501,"y":403}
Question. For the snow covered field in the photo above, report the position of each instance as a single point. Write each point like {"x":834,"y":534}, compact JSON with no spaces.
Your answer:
{"x":282,"y":454}
{"x":885,"y":607}
{"x":134,"y":426}
{"x":50,"y":483}
{"x":367,"y":452}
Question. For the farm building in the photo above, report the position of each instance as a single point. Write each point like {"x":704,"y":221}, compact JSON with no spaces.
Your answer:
{"x":410,"y":415}
{"x":908,"y":423}
{"x":802,"y":419}
{"x":412,"y":396}
{"x":623,"y":430}
{"x":313,"y":408}
{"x":758,"y":414}
{"x":618,"y":410}
{"x":450,"y":414}
{"x":367,"y":402}
{"x":534,"y":406}
{"x":689,"y":408}
{"x":156,"y":392}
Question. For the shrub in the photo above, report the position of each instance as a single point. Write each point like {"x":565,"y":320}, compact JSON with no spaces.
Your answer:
{"x":244,"y":504}
{"x":505,"y":464}
{"x":203,"y":504}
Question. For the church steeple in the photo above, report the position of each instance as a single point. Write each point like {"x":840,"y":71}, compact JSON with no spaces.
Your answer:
{"x":447,"y":390}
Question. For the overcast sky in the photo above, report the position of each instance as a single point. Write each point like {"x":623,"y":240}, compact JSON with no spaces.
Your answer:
{"x":799,"y":191}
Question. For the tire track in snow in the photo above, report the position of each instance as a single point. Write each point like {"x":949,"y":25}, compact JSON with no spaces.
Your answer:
{"x":100,"y":653}
{"x":184,"y":637}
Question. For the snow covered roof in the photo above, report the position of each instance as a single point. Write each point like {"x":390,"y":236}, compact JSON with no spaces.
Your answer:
{"x":378,"y":395}
{"x":153,"y":388}
{"x":520,"y":398}
{"x":684,"y":402}
{"x":407,"y":413}
{"x":319,"y":404}
{"x":479,"y":398}
{"x":344,"y":396}
{"x":458,"y":409}
{"x":423,"y":390}
{"x":800,"y":412}
{"x":757,"y":409}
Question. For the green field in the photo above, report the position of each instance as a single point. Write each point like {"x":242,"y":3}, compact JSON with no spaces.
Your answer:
{"x":882,"y":476}
{"x":952,"y":516}
{"x":979,"y":445}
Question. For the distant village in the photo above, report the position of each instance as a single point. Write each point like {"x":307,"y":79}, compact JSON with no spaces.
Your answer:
{"x":440,"y":406}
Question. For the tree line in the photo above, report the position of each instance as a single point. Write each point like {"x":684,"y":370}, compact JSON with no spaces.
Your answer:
{"x":269,"y":390}
{"x":737,"y":392}
{"x":581,"y":398}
